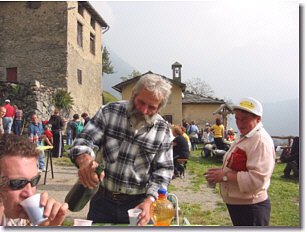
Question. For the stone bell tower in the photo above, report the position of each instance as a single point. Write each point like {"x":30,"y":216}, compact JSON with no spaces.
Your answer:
{"x":176,"y":70}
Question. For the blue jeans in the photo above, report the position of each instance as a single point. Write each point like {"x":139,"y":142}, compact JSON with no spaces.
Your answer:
{"x":7,"y":124}
{"x":68,"y":137}
{"x":17,"y":127}
{"x":41,"y":158}
{"x":105,"y":210}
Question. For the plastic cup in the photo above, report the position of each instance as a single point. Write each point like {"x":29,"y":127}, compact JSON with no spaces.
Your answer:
{"x":211,"y":184}
{"x":133,"y":216}
{"x":33,"y":209}
{"x":82,"y":222}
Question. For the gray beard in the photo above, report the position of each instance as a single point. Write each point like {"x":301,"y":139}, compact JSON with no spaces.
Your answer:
{"x":137,"y":119}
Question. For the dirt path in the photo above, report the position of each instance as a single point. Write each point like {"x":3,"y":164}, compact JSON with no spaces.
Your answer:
{"x":65,"y":177}
{"x":205,"y":197}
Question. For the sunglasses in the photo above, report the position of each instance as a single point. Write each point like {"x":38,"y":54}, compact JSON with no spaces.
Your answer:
{"x":17,"y":184}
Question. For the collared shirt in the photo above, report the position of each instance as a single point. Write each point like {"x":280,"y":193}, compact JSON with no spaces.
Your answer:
{"x":35,"y":129}
{"x":135,"y":163}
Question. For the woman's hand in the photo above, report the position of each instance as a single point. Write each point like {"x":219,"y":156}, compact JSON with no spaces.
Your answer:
{"x":214,"y":175}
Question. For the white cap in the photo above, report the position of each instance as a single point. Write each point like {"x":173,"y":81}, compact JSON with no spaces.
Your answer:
{"x":251,"y":105}
{"x":7,"y":100}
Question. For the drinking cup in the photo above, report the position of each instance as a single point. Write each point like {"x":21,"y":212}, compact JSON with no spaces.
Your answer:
{"x":133,"y":216}
{"x":210,"y":184}
{"x":33,"y":209}
{"x":82,"y":222}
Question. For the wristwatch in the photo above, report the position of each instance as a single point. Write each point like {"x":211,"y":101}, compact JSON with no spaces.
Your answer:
{"x":225,"y":178}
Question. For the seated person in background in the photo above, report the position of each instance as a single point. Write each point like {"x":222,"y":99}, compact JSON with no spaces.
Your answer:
{"x":292,"y":160}
{"x":18,"y":180}
{"x":47,"y":136}
{"x":208,"y":136}
{"x":180,"y":147}
{"x":230,"y":137}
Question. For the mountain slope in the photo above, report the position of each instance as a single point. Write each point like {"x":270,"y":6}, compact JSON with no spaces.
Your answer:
{"x":121,"y":68}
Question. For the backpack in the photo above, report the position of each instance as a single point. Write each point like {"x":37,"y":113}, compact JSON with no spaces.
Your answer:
{"x":79,"y":128}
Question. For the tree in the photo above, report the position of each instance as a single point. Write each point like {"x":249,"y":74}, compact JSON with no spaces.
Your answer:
{"x":198,"y":86}
{"x":133,"y":74}
{"x":107,"y":66}
{"x":63,"y":100}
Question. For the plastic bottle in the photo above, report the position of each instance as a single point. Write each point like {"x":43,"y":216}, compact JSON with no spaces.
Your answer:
{"x":35,"y":139}
{"x":162,"y":210}
{"x":31,"y":138}
{"x":79,"y":195}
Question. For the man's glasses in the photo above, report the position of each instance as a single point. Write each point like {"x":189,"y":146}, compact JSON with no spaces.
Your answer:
{"x":17,"y":184}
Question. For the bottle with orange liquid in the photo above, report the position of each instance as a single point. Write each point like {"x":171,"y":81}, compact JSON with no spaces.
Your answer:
{"x":162,"y":210}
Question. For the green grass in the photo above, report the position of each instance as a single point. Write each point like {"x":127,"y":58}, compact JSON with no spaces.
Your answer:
{"x":65,"y":160}
{"x":283,"y":193}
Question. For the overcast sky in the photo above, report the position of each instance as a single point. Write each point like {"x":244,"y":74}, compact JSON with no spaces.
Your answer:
{"x":240,"y":48}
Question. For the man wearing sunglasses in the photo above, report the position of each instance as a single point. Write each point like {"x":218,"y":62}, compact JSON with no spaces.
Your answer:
{"x":18,"y":180}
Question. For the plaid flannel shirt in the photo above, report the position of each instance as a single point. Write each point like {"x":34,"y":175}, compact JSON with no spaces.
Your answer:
{"x":135,"y":163}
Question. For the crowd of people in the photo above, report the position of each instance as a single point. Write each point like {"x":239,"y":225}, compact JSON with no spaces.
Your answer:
{"x":210,"y":134}
{"x":140,"y":152}
{"x":50,"y":131}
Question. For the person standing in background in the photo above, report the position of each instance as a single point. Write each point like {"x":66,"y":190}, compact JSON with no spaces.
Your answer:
{"x":8,"y":117}
{"x":218,"y":130}
{"x":68,"y":132}
{"x":247,"y":168}
{"x":85,"y":117}
{"x":35,"y":128}
{"x":193,"y":132}
{"x":17,"y":124}
{"x":57,"y":123}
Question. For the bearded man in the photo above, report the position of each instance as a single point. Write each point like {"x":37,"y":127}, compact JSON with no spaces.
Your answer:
{"x":136,"y":152}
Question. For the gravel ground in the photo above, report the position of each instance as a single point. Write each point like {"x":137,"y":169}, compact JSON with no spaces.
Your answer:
{"x":65,"y":177}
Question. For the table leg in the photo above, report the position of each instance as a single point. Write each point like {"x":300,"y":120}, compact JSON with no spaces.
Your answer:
{"x":50,"y":153}
{"x":46,"y":168}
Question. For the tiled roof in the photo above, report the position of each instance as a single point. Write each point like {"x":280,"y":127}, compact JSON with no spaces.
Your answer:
{"x":199,"y":99}
{"x":120,"y":86}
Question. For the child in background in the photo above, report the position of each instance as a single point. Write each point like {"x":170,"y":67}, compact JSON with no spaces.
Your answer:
{"x":47,"y":135}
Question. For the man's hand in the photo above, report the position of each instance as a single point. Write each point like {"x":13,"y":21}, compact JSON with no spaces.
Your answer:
{"x":87,"y":171}
{"x":145,"y":215}
{"x":55,"y":211}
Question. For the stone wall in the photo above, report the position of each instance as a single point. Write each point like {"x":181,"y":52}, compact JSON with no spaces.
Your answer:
{"x":42,"y":45}
{"x":35,"y":41}
{"x":29,"y":97}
